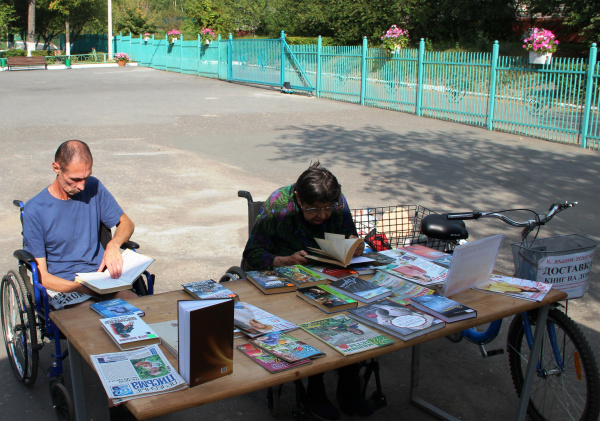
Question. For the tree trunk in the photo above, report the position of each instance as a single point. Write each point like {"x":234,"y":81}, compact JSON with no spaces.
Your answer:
{"x":67,"y":37}
{"x":30,"y":42}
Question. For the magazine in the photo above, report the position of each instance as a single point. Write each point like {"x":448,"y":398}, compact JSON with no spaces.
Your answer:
{"x":268,"y":361}
{"x":132,"y":374}
{"x":402,"y":290}
{"x":346,"y":335}
{"x":427,"y":253}
{"x":360,"y":290}
{"x":326,"y":299}
{"x":518,"y":288}
{"x":129,"y":331}
{"x":443,"y":307}
{"x":115,"y":307}
{"x":255,"y":322}
{"x":208,"y":290}
{"x":286,"y":347}
{"x":301,"y":276}
{"x":416,"y":269}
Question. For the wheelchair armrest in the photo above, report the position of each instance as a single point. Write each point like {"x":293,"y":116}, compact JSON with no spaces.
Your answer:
{"x":130,"y":245}
{"x":24,"y":256}
{"x":233,"y":273}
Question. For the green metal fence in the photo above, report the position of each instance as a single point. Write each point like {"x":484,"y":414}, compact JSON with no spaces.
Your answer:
{"x":559,"y":101}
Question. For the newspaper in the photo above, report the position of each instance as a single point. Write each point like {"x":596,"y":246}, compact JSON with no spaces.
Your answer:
{"x":518,"y":288}
{"x":135,"y":374}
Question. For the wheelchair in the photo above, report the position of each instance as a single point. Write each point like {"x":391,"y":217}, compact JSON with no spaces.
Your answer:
{"x":371,"y":368}
{"x":25,"y":315}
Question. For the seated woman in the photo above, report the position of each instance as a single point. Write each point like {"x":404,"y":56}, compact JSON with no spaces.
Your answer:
{"x":290,"y":220}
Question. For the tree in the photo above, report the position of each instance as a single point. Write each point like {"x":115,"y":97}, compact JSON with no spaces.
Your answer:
{"x":135,"y":17}
{"x":201,"y":14}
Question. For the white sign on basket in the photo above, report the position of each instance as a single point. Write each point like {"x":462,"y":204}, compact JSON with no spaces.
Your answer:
{"x":568,"y":273}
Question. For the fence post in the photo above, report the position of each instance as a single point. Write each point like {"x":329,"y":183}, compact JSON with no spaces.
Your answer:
{"x":420,"y":77}
{"x":199,"y":49}
{"x":495,"y":51}
{"x":363,"y":72}
{"x":181,"y":54}
{"x":167,"y":51}
{"x":282,"y":42}
{"x":589,"y":89}
{"x":230,"y":58}
{"x":219,"y":56}
{"x":319,"y":51}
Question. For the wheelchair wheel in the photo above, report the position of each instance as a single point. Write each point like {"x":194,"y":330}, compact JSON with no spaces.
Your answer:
{"x":62,"y":402}
{"x":19,"y":328}
{"x":566,"y":383}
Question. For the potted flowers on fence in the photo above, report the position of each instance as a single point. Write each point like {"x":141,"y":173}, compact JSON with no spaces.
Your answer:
{"x":540,"y":43}
{"x":173,"y":35}
{"x":207,"y":35}
{"x":122,"y":58}
{"x":146,"y":36}
{"x":395,"y":39}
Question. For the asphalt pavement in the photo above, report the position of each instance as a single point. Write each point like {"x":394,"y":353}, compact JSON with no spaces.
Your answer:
{"x":174,"y":150}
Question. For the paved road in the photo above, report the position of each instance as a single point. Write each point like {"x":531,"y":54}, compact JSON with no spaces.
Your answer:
{"x":174,"y":149}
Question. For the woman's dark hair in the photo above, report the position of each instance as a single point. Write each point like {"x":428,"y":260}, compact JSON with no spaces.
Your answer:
{"x":318,"y":184}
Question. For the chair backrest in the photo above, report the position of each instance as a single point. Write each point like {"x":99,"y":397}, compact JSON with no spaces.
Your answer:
{"x":253,"y":208}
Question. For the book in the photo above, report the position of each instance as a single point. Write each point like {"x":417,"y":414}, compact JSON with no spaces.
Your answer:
{"x":115,"y":307}
{"x":396,"y":320}
{"x":443,"y":308}
{"x":208,"y":290}
{"x":416,"y":269}
{"x":268,"y":361}
{"x":301,"y":276}
{"x":333,"y":273}
{"x":129,"y":331}
{"x":270,"y":282}
{"x":380,"y":258}
{"x":364,"y":268}
{"x":326,"y":298}
{"x":137,"y":373}
{"x":444,"y":260}
{"x":169,"y":335}
{"x":286,"y":347}
{"x":472,"y":264}
{"x":134,"y":264}
{"x":516,"y":287}
{"x":255,"y":322}
{"x":346,"y":335}
{"x":335,"y":249}
{"x":360,"y":290}
{"x":424,"y":252}
{"x":205,"y":332}
{"x":402,"y":290}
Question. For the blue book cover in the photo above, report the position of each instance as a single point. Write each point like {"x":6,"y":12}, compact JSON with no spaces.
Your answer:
{"x":359,"y":289}
{"x":443,"y":307}
{"x":116,"y":307}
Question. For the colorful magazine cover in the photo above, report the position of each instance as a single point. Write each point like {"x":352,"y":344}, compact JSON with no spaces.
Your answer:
{"x":286,"y":347}
{"x":301,"y":276}
{"x":416,"y":269}
{"x":255,"y":322}
{"x":424,"y":252}
{"x":346,"y":335}
{"x":516,"y":287}
{"x":360,"y":289}
{"x":115,"y":307}
{"x":208,"y":290}
{"x":402,"y":290}
{"x":268,"y":361}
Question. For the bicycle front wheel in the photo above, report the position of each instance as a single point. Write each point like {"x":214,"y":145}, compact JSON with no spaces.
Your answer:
{"x":566,"y":384}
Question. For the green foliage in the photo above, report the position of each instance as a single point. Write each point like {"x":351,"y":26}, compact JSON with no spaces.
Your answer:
{"x":428,"y":44}
{"x":325,"y":41}
{"x":200,"y":14}
{"x":14,"y":52}
{"x":135,"y":17}
{"x":8,"y":15}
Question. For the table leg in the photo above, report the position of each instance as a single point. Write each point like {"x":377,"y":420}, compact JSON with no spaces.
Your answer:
{"x":540,"y":330}
{"x":415,"y":364}
{"x":78,"y":384}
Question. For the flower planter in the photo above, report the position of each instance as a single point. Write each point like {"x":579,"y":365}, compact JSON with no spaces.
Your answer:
{"x":173,"y":40}
{"x":207,"y":41}
{"x":146,"y":39}
{"x":122,"y":63}
{"x":539,"y":58}
{"x":396,"y":50}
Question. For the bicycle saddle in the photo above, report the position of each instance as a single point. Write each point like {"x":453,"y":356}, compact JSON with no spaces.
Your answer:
{"x":437,"y":226}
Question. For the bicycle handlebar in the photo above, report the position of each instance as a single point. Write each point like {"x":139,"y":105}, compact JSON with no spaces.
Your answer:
{"x":528,"y":226}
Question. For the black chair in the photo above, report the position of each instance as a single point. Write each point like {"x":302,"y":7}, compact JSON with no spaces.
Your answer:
{"x":25,"y":315}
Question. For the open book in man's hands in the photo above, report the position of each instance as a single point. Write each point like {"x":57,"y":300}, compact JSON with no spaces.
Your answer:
{"x":335,"y":249}
{"x":134,"y":264}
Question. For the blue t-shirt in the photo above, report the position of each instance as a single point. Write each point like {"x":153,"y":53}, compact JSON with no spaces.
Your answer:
{"x":67,"y":232}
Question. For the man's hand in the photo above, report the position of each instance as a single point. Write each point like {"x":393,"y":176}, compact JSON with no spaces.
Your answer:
{"x":360,"y":249}
{"x":295,"y":259}
{"x":112,"y":260}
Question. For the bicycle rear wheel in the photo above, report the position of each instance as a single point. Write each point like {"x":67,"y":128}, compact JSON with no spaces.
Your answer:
{"x":566,"y":384}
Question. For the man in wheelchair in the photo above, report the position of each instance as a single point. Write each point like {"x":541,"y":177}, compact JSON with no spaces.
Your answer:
{"x":62,"y":228}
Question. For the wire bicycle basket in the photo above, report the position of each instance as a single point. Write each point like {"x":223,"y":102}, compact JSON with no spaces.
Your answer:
{"x":564,"y":261}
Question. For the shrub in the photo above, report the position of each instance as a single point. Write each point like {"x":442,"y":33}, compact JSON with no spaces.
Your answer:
{"x":15,"y":52}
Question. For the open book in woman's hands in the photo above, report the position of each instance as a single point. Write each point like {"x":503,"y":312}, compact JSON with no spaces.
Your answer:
{"x":336,"y":249}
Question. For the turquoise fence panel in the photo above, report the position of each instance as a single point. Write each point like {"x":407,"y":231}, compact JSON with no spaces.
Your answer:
{"x":301,"y":66}
{"x":540,"y":100}
{"x":341,"y":73}
{"x":257,"y":61}
{"x":593,"y":137}
{"x":391,"y":80}
{"x":223,"y":58}
{"x":84,"y":43}
{"x":160,"y":55}
{"x":136,"y":46}
{"x":189,"y":56}
{"x":208,"y":59}
{"x":456,"y":86}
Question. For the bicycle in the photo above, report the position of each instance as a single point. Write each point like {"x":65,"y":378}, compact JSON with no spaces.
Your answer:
{"x":567,"y":383}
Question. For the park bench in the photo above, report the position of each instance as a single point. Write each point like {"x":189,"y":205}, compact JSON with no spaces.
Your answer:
{"x":26,"y":63}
